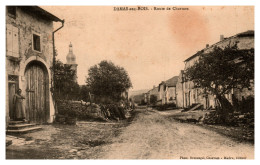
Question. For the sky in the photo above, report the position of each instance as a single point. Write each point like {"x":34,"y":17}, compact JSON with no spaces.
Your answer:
{"x":151,"y":45}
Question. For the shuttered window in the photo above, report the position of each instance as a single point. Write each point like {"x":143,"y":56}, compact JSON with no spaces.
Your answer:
{"x":12,"y":46}
{"x":36,"y":42}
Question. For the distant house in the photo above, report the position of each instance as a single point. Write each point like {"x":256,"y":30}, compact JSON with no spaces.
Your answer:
{"x":192,"y":94}
{"x":139,"y":96}
{"x":167,"y":91}
{"x":153,"y":93}
{"x":139,"y":99}
{"x":29,"y":57}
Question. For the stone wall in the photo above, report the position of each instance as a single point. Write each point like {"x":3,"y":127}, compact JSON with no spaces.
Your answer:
{"x":84,"y":110}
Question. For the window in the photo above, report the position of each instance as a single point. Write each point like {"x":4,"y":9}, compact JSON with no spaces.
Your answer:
{"x":36,"y":42}
{"x":12,"y":78}
{"x":11,"y":10}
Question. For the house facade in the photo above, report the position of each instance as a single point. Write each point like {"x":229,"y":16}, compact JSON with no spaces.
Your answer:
{"x":152,"y":93}
{"x":29,"y":57}
{"x":192,"y":94}
{"x":179,"y":90}
{"x":167,"y":91}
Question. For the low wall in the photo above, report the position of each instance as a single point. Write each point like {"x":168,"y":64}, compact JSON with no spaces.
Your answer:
{"x":83,"y":109}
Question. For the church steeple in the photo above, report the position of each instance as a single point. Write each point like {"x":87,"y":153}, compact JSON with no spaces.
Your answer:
{"x":70,"y":48}
{"x":71,"y":58}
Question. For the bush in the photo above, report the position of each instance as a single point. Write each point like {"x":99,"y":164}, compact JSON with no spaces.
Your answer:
{"x":62,"y":107}
{"x":165,"y":106}
{"x":232,"y":119}
{"x":72,"y":113}
{"x":247,"y":105}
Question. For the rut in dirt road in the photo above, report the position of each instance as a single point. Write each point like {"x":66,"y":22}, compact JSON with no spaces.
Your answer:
{"x":154,"y":136}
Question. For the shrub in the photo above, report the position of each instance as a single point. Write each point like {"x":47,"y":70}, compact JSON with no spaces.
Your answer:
{"x":247,"y":105}
{"x":72,"y":113}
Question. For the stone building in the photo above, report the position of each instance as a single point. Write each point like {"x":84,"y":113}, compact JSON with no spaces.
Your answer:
{"x":29,"y":57}
{"x":71,"y":61}
{"x":192,"y":94}
{"x":179,"y":90}
{"x":167,"y":91}
{"x":152,"y":93}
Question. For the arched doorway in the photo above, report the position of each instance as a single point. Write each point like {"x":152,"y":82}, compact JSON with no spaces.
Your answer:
{"x":37,"y":92}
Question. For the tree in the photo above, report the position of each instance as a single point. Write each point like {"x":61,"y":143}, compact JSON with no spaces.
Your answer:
{"x":221,"y":70}
{"x":108,"y":81}
{"x":84,"y":93}
{"x":64,"y":85}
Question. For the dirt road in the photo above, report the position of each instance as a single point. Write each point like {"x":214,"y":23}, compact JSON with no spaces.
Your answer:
{"x":154,"y":135}
{"x":149,"y":134}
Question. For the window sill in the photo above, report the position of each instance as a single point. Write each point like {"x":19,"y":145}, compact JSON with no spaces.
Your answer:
{"x":36,"y":51}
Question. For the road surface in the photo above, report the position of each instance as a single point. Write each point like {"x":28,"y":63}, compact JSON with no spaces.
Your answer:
{"x":155,"y":135}
{"x":150,"y":135}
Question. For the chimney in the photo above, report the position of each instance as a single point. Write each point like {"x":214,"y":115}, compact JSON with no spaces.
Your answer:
{"x":207,"y":45}
{"x":221,"y":37}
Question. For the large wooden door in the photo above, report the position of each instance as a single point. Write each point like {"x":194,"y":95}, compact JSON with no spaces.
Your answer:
{"x":37,"y":110}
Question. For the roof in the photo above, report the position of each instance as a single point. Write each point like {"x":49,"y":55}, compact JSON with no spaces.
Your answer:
{"x":171,"y":82}
{"x":154,"y":88}
{"x":246,"y":34}
{"x":195,"y":55}
{"x":243,"y":34}
{"x":40,"y":12}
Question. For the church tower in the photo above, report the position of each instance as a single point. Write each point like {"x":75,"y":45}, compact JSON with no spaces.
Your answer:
{"x":71,"y":60}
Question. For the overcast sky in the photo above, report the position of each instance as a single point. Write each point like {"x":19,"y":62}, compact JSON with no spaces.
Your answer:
{"x":150,"y":45}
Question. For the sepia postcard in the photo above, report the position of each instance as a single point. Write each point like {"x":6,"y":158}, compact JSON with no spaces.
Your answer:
{"x":130,"y":82}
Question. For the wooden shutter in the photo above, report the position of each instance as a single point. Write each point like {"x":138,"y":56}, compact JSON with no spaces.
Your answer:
{"x":9,"y":41}
{"x":15,"y":42}
{"x":12,"y":46}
